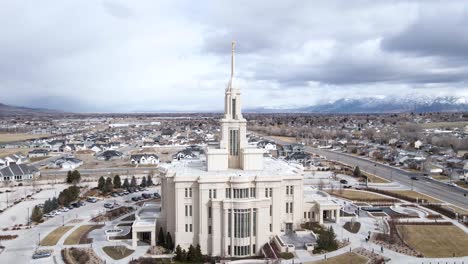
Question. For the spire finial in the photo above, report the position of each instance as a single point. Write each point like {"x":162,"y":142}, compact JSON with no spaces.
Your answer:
{"x":233,"y":45}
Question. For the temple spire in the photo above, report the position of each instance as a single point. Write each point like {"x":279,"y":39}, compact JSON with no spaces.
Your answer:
{"x":233,"y":44}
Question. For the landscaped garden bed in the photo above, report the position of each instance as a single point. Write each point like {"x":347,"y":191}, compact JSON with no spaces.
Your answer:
{"x":113,"y":214}
{"x":117,"y":252}
{"x":352,"y":227}
{"x":80,"y":256}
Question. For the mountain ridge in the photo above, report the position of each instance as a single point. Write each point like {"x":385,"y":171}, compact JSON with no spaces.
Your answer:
{"x":393,"y":104}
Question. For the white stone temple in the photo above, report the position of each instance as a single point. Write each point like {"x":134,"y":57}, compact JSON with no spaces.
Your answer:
{"x":234,"y":200}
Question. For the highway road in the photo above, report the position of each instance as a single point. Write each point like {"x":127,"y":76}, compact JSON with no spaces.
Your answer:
{"x":436,"y":189}
{"x":441,"y":191}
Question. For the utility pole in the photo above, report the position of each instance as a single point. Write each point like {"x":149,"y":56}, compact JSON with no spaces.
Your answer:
{"x":28,"y":217}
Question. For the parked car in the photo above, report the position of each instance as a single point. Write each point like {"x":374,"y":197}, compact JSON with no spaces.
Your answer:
{"x":76,"y":205}
{"x":91,"y":200}
{"x":414,"y":178}
{"x":64,"y":209}
{"x":81,"y":203}
{"x":114,"y":195}
{"x":126,"y":193}
{"x":134,"y":198}
{"x":41,"y":255}
{"x":344,"y":181}
{"x":156,"y":195}
{"x":120,"y":193}
{"x":146,"y":195}
{"x":108,"y":205}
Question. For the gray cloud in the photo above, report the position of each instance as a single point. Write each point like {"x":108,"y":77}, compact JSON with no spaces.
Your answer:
{"x":151,"y":55}
{"x":441,"y":34}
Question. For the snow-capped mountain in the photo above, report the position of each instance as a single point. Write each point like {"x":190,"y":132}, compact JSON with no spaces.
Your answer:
{"x":395,"y":104}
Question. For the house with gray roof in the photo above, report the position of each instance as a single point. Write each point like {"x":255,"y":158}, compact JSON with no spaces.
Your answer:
{"x":18,"y":172}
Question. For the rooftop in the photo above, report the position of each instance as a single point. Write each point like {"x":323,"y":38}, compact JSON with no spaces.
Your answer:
{"x":198,"y":168}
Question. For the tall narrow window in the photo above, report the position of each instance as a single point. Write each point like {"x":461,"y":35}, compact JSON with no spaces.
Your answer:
{"x":234,"y":108}
{"x":233,"y":142}
{"x":209,"y":212}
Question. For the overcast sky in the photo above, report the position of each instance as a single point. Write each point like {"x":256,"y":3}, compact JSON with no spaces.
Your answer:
{"x":118,"y":56}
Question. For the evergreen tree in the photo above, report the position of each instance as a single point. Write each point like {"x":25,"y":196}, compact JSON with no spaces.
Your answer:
{"x":69,"y":177}
{"x":109,"y":186}
{"x":143,"y":182}
{"x":191,"y":254}
{"x":161,"y":239}
{"x":64,"y":197}
{"x":198,"y":254}
{"x":76,"y":177}
{"x":117,"y":182}
{"x":47,"y":206}
{"x":54,"y":203}
{"x":36,"y":215}
{"x":357,"y":171}
{"x":169,"y":243}
{"x":126,"y":184}
{"x":149,"y":180}
{"x":184,"y":256}
{"x":178,"y":253}
{"x":133,"y":183}
{"x":327,"y":240}
{"x":101,"y":183}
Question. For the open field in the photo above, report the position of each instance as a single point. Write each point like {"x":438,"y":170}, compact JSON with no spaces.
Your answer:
{"x":53,"y":237}
{"x":75,"y":237}
{"x":445,"y":124}
{"x":376,"y":179}
{"x":462,"y":184}
{"x":344,"y":258}
{"x":9,"y":151}
{"x":5,"y":138}
{"x":286,"y":139}
{"x":35,"y":159}
{"x":117,"y":252}
{"x":358,"y":195}
{"x":435,"y":241}
{"x":414,"y":194}
{"x":90,"y":162}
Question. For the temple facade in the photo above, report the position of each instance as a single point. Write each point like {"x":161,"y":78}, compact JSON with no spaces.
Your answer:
{"x":233,"y":200}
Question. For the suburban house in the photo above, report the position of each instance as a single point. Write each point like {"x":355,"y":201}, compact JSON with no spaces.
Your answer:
{"x":13,"y":159}
{"x":18,"y":172}
{"x":110,"y":155}
{"x":268,"y":145}
{"x":144,"y":159}
{"x":65,"y":163}
{"x":167,"y":133}
{"x":35,"y":153}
